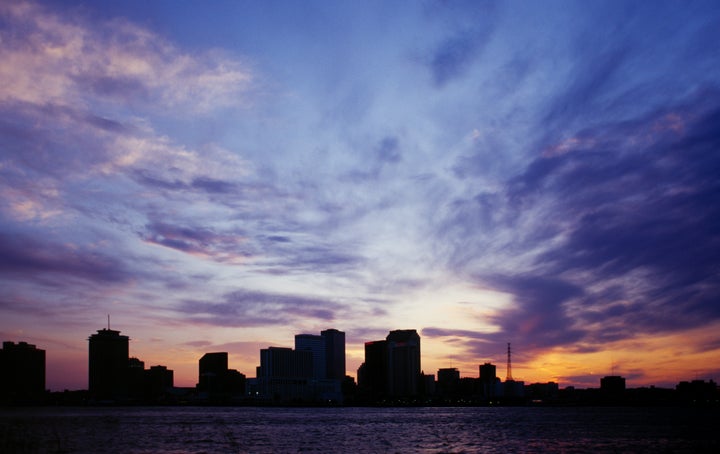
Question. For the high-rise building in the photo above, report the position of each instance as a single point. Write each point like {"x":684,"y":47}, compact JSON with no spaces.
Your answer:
{"x":108,"y":365}
{"x":334,"y":353}
{"x":284,"y":374}
{"x":158,"y":380}
{"x":403,"y":363}
{"x":612,"y":386}
{"x":392,"y":366}
{"x":328,"y":353}
{"x":373,"y":373}
{"x":448,"y":381}
{"x":317,"y":347}
{"x":212,"y":368}
{"x":215,"y":380}
{"x":488,"y":373}
{"x":22,"y":372}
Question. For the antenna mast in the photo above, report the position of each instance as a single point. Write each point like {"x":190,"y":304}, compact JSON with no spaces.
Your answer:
{"x":509,"y":366}
{"x":108,"y":322}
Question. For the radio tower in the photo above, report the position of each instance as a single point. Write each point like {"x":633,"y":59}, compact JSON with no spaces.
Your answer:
{"x":509,"y":366}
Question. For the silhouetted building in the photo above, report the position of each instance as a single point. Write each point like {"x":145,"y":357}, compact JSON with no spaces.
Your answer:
{"x":334,"y":354}
{"x":612,"y":386}
{"x":22,"y":373}
{"x":698,"y":392}
{"x":542,"y":392}
{"x":284,"y":374}
{"x":136,"y":378}
{"x":489,"y":384}
{"x":212,"y":368}
{"x":428,"y":386}
{"x":448,"y":381}
{"x":403,"y":363}
{"x":373,"y":373}
{"x":316,"y":346}
{"x":159,"y":381}
{"x":488,"y":373}
{"x":328,"y":353}
{"x":215,"y":380}
{"x":391,"y":367}
{"x":108,"y":365}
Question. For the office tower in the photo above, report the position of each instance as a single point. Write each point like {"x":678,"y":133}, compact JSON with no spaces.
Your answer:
{"x":136,"y":378}
{"x":328,"y":353}
{"x":373,"y":373}
{"x":612,"y":386}
{"x":317,"y":347}
{"x":448,"y":381}
{"x":22,"y":372}
{"x":211,"y":372}
{"x":403,"y":363}
{"x":334,"y":353}
{"x":488,"y":373}
{"x":284,"y":374}
{"x":490,"y":386}
{"x":158,"y":380}
{"x":215,"y":380}
{"x":108,"y":365}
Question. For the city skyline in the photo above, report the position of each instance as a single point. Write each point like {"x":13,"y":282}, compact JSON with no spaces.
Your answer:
{"x":220,"y":176}
{"x":111,"y":364}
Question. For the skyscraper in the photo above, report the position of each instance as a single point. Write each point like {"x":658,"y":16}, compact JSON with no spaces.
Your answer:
{"x":328,"y":353}
{"x":284,"y":373}
{"x":317,"y":347}
{"x":373,"y":373}
{"x":334,"y":353}
{"x":108,"y":365}
{"x":22,"y":372}
{"x":403,"y":363}
{"x":392,"y":366}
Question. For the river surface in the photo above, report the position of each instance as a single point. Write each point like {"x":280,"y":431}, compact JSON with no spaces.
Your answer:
{"x":347,"y":430}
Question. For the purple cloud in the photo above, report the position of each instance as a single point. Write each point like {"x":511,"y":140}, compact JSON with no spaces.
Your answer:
{"x":32,"y":258}
{"x":630,"y":239}
{"x":254,"y":308}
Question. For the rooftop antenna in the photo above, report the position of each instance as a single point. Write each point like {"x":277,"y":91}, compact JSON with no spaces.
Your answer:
{"x":108,"y":322}
{"x":509,"y":366}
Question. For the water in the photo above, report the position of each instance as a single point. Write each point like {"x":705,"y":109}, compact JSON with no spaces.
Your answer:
{"x":425,"y":430}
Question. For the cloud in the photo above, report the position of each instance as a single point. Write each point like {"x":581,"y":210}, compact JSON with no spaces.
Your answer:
{"x":201,"y":242}
{"x":255,"y":308}
{"x":452,"y":58}
{"x":30,"y":257}
{"x":471,"y":27}
{"x":616,"y":236}
{"x":72,"y":58}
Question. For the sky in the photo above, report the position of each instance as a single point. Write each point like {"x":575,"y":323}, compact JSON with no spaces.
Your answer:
{"x":220,"y":176}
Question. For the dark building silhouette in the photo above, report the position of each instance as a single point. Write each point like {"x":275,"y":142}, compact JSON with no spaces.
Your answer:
{"x":316,"y":346}
{"x":284,"y":374}
{"x":542,"y":392}
{"x":698,"y":392}
{"x":158,"y":381}
{"x":108,"y":365}
{"x":22,"y":373}
{"x":403,"y":363}
{"x":392,"y":367}
{"x":448,"y":381}
{"x":334,"y":354}
{"x":211,"y":371}
{"x":489,"y":383}
{"x":136,"y":378}
{"x":328,"y":353}
{"x":215,"y":380}
{"x":373,"y":373}
{"x":612,"y":386}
